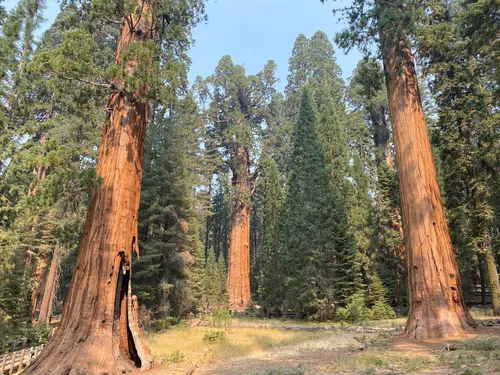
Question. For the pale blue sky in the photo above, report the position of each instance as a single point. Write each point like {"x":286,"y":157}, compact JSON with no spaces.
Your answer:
{"x":253,"y":32}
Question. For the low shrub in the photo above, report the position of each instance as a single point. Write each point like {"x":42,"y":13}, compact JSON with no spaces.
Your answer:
{"x":212,"y":337}
{"x":382,"y":311}
{"x":357,"y":311}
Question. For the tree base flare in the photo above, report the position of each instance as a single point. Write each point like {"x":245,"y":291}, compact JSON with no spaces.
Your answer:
{"x":442,"y":325}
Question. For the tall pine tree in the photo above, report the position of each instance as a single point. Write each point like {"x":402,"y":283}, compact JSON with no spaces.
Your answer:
{"x":319,"y":265}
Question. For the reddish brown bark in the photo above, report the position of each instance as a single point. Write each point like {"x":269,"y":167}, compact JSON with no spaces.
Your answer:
{"x":239,"y":245}
{"x":98,"y":333}
{"x":437,"y":308}
{"x":50,"y":287}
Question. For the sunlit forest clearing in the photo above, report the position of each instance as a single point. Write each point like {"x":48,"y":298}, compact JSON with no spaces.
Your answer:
{"x":253,"y":347}
{"x":288,"y":187}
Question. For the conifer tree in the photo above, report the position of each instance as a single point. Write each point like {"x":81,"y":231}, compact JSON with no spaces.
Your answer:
{"x":168,"y":214}
{"x":313,"y":65}
{"x":391,"y":23}
{"x":267,"y":205}
{"x":214,"y":296}
{"x":319,"y":265}
{"x":236,"y":112}
{"x":368,"y":96}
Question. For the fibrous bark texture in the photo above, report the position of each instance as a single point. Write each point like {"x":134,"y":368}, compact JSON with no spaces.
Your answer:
{"x":437,"y":308}
{"x":98,"y":333}
{"x":239,"y":245}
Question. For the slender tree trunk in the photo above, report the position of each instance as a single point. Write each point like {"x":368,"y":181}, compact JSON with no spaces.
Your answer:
{"x":50,"y":287}
{"x":437,"y":308}
{"x":482,"y":281}
{"x":491,"y":270}
{"x":482,"y":229}
{"x":40,"y":267}
{"x":98,"y":333}
{"x":239,"y":246}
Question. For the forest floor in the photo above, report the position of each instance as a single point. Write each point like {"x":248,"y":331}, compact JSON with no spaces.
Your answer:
{"x":272,"y":347}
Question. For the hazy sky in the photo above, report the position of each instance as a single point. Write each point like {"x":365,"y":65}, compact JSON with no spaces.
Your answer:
{"x":253,"y":32}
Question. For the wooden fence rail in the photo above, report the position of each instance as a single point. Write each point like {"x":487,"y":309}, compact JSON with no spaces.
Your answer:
{"x":15,"y":361}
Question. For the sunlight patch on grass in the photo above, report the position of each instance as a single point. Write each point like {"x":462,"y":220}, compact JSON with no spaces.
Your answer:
{"x":189,"y":345}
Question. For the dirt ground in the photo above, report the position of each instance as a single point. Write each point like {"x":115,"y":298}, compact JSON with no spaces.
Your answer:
{"x":474,"y":353}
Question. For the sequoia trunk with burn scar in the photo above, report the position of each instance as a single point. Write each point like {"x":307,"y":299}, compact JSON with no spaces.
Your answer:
{"x":98,"y":333}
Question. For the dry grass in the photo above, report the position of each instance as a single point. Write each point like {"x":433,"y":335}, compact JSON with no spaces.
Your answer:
{"x":187,"y":345}
{"x":305,"y":322}
{"x":380,"y":360}
{"x":267,"y":351}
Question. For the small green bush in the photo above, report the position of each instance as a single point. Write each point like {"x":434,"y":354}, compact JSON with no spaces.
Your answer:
{"x":175,"y":357}
{"x":381,"y":311}
{"x":342,"y":315}
{"x":357,"y":311}
{"x":212,"y":337}
{"x":221,"y":318}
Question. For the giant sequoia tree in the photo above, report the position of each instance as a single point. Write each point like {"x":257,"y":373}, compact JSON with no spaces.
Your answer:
{"x":236,"y":113}
{"x":437,"y":308}
{"x":465,"y":136}
{"x":99,"y":331}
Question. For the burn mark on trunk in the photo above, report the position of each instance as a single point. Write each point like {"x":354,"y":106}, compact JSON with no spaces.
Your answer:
{"x":127,"y":344}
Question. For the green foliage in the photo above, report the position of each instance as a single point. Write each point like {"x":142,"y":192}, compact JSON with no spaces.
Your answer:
{"x":464,"y":134}
{"x":214,"y":300}
{"x":318,"y":259}
{"x":267,"y":205}
{"x":358,"y":311}
{"x":313,"y":65}
{"x":213,"y":337}
{"x":175,"y":356}
{"x":237,"y":104}
{"x":171,"y":214}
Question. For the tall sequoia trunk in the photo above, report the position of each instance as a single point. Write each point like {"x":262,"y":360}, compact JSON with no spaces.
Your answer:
{"x":239,"y":245}
{"x":50,"y":287}
{"x":437,"y":308}
{"x":98,"y":333}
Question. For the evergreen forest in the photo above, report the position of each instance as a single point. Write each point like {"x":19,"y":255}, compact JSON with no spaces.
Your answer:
{"x":135,"y":201}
